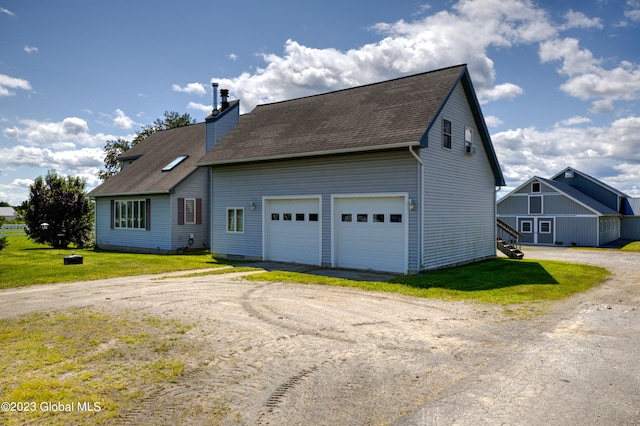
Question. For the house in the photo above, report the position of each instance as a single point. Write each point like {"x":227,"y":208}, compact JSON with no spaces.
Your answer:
{"x":159,"y":201}
{"x":396,"y":176}
{"x":571,"y":208}
{"x":8,"y":213}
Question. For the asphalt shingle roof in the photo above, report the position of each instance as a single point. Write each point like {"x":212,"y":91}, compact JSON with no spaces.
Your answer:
{"x":145,"y":175}
{"x":376,"y":116}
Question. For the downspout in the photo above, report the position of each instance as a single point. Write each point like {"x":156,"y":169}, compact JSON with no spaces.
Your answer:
{"x":421,"y":203}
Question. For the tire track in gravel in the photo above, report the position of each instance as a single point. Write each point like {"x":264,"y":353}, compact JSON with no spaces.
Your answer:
{"x":377,"y":331}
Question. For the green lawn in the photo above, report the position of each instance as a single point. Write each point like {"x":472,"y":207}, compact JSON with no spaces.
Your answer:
{"x":501,"y":281}
{"x":23,"y":262}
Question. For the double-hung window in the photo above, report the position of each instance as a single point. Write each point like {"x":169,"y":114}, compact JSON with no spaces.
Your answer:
{"x":235,"y":220}
{"x":446,"y":134}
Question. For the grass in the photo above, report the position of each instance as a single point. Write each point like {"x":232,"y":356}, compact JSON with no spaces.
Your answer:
{"x":499,"y":281}
{"x":26,"y":263}
{"x":86,"y":357}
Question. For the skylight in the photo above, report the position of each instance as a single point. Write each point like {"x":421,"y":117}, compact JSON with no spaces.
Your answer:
{"x":174,"y":163}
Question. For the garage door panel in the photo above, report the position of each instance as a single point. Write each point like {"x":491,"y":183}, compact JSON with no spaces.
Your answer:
{"x":370,"y":233}
{"x":292,"y":230}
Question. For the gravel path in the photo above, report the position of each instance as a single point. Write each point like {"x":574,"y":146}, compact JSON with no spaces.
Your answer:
{"x":287,"y":354}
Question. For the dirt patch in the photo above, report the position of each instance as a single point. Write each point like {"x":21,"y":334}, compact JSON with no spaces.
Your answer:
{"x":278,"y":353}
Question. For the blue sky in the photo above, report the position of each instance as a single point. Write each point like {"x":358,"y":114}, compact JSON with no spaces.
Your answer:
{"x":559,"y":81}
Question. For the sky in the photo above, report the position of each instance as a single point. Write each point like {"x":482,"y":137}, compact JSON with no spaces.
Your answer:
{"x":558,"y":80}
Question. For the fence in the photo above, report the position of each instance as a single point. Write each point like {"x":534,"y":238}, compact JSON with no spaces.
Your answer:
{"x":13,"y":229}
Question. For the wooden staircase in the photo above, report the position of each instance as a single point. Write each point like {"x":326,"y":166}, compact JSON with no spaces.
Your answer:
{"x":507,"y":240}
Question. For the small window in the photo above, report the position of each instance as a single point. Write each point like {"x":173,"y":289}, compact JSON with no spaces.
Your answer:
{"x":535,"y":204}
{"x":174,"y":163}
{"x":363,"y":217}
{"x":275,"y":216}
{"x":235,"y":220}
{"x":535,"y":186}
{"x":395,"y":218}
{"x":525,"y":227}
{"x":190,"y":211}
{"x":313,"y":217}
{"x":286,"y":216}
{"x":379,"y":218}
{"x":545,"y":227}
{"x":446,"y":134}
{"x":346,"y":217}
{"x":300,"y":217}
{"x":468,"y":134}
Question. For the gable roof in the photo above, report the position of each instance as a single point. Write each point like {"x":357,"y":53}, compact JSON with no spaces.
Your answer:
{"x":386,"y":115}
{"x":569,"y":191}
{"x":592,"y":179}
{"x":7,"y":212}
{"x":144,"y":175}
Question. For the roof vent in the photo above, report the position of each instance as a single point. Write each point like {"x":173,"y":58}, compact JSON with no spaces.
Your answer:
{"x":224,"y":95}
{"x":214,"y":111}
{"x":568,"y":174}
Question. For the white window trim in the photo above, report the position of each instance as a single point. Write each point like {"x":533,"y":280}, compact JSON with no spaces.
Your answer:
{"x":539,"y":187}
{"x":540,"y":226}
{"x":195,"y":213}
{"x":541,"y":204}
{"x":235,"y":221}
{"x":530,"y":231}
{"x":142,"y":215}
{"x":450,"y":134}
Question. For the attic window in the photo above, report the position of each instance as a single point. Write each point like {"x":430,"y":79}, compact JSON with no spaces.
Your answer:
{"x":568,"y":174}
{"x":174,"y":163}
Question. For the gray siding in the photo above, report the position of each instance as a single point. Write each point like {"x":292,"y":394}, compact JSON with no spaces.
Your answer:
{"x":581,"y":231}
{"x":196,"y":186}
{"x":157,"y":238}
{"x":236,"y":186}
{"x":593,"y":190}
{"x":630,"y":228}
{"x":217,"y":128}
{"x":458,"y":204}
{"x":609,"y":229}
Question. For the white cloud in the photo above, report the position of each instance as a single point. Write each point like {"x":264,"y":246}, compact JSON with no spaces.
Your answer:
{"x":232,"y":56}
{"x":611,"y":152}
{"x":191,"y":88}
{"x":30,"y":49}
{"x":8,"y":83}
{"x":406,"y":47}
{"x":580,"y":20}
{"x":493,"y":121}
{"x":200,"y":107}
{"x":501,"y":91}
{"x":71,"y":130}
{"x":573,"y":121}
{"x":122,"y":121}
{"x":7,"y":11}
{"x":587,"y":79}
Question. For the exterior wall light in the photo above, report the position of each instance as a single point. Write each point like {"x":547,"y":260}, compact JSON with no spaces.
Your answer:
{"x":412,"y":205}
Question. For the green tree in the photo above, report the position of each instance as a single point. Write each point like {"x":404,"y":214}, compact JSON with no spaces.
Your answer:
{"x":115,"y":148}
{"x":58,"y":211}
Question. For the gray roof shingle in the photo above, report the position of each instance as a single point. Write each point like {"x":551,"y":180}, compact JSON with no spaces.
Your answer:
{"x":145,"y":175}
{"x":376,"y":116}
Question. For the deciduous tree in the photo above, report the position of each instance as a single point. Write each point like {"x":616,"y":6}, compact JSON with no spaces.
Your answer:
{"x":115,"y":148}
{"x":58,"y":211}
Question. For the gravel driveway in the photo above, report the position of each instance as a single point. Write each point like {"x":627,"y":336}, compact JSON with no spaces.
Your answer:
{"x":287,"y":354}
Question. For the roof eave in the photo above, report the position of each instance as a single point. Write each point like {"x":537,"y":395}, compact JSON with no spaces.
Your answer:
{"x":130,"y":194}
{"x":311,"y":154}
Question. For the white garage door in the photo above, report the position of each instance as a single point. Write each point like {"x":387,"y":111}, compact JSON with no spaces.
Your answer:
{"x":371,"y":233}
{"x":292,"y":230}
